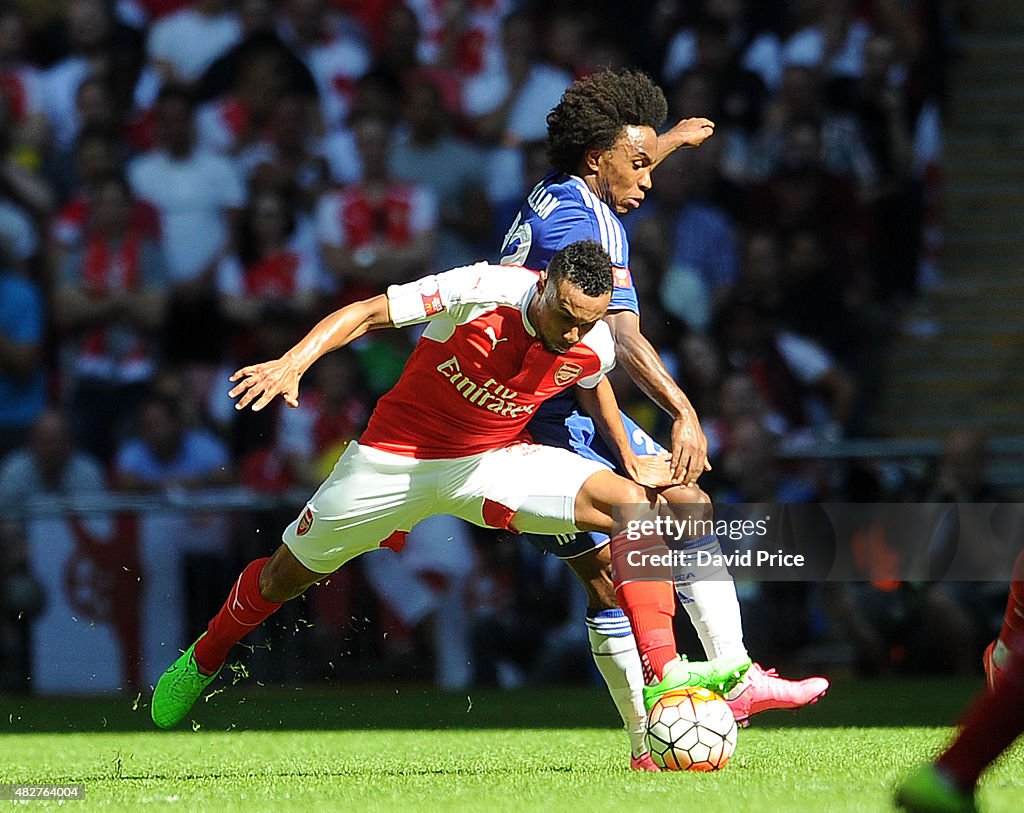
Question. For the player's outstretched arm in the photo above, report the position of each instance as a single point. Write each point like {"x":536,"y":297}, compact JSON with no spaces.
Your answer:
{"x":600,"y":403}
{"x":259,"y":384}
{"x":645,"y":367}
{"x":687,"y":133}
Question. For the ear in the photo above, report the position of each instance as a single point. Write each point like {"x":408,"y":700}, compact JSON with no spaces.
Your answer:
{"x":542,"y":281}
{"x":592,"y":158}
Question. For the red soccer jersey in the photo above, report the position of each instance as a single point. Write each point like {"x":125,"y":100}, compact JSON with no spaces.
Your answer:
{"x":479,"y":371}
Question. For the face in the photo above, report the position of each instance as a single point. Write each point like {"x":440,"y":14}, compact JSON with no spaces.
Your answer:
{"x":269,"y":221}
{"x":623,"y":173}
{"x":564,"y":314}
{"x":112,"y":207}
{"x":174,"y":125}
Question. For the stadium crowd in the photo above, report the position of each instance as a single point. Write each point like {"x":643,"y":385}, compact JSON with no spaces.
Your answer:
{"x":185,"y":187}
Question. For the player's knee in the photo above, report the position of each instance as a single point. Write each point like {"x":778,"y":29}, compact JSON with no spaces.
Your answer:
{"x":635,"y":494}
{"x":690,"y":495}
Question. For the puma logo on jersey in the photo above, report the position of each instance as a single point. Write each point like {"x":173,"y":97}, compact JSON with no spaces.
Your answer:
{"x":493,"y":336}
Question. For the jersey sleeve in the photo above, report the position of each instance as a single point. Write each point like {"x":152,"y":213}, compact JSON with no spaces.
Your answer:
{"x":601,"y":342}
{"x":427,"y":298}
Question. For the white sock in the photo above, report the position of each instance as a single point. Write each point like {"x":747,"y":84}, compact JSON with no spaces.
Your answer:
{"x":709,"y":597}
{"x":614,"y":649}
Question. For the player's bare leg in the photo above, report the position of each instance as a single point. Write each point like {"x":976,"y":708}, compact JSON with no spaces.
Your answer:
{"x":709,"y":597}
{"x":262,"y":587}
{"x":614,"y":649}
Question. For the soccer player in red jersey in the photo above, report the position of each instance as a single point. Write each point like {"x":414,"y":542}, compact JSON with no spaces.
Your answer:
{"x":989,"y":725}
{"x":449,"y":439}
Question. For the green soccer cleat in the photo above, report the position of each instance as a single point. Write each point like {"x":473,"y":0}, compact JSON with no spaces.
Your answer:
{"x":928,"y":790}
{"x":718,"y":675}
{"x":178,"y":689}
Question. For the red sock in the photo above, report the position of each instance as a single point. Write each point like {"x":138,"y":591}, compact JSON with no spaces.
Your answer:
{"x":1013,"y":618}
{"x":991,"y":723}
{"x":650,"y":605}
{"x":646,"y":596}
{"x":244,"y":610}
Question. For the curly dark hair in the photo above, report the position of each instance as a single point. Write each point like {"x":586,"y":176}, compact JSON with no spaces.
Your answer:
{"x":584,"y":264}
{"x":593,"y":111}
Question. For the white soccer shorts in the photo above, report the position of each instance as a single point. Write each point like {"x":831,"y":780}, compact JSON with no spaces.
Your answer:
{"x":373,"y":497}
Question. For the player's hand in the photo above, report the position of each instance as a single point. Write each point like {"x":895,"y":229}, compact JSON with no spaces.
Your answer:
{"x":693,"y":132}
{"x":650,"y":470}
{"x":262,"y":382}
{"x":689,"y":450}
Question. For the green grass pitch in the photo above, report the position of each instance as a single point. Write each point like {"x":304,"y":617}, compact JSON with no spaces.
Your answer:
{"x":414,"y":749}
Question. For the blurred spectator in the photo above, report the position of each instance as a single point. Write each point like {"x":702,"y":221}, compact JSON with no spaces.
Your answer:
{"x":377,"y":93}
{"x":795,"y":377}
{"x":741,"y":92}
{"x":182,"y":45}
{"x":463,"y":37}
{"x":812,"y":303}
{"x":97,"y":46}
{"x":380,"y":230}
{"x":331,"y":49}
{"x":751,"y":47}
{"x":167,"y":456}
{"x":269,"y":268}
{"x":704,"y":258}
{"x":509,"y":104}
{"x":21,"y":85}
{"x":801,"y":193}
{"x":22,"y":327}
{"x":47,"y":464}
{"x":695,"y":94}
{"x":198,"y":195}
{"x":98,"y":154}
{"x":881,"y":105}
{"x":426,"y":152}
{"x":287,"y":157}
{"x":829,"y":38}
{"x":94,"y":107}
{"x":798,"y":130}
{"x":241,"y":116}
{"x":110,"y":304}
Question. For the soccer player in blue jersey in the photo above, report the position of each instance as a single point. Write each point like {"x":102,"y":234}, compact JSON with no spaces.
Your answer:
{"x":603,"y":146}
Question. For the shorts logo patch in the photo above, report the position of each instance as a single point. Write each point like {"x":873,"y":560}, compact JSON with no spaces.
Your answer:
{"x":431,"y":298}
{"x":567,"y":373}
{"x":305,"y":522}
{"x":621,"y":278}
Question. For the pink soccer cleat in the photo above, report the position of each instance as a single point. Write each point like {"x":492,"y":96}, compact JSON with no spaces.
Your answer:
{"x":762,"y":689}
{"x":643,"y":763}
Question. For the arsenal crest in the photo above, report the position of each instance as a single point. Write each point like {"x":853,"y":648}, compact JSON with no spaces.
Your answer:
{"x":305,"y":521}
{"x":567,"y":373}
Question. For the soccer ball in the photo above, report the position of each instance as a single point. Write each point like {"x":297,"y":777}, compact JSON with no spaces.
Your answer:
{"x":691,"y":730}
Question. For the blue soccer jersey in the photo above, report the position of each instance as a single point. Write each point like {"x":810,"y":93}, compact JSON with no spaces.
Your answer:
{"x":561,"y":210}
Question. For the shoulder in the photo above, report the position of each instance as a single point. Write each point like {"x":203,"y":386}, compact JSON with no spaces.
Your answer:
{"x":600,"y":340}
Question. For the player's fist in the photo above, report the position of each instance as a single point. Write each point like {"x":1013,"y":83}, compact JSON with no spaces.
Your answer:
{"x":693,"y":132}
